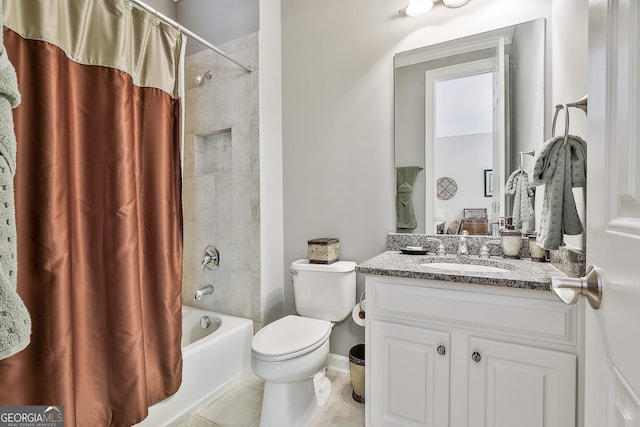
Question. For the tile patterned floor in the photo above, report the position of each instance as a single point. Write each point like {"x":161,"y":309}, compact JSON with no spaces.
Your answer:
{"x":240,"y":406}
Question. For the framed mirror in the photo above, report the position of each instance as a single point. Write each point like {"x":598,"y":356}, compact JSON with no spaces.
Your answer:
{"x":464,"y":110}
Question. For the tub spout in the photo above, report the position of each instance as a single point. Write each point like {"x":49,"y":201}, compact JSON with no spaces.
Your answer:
{"x":206,"y":290}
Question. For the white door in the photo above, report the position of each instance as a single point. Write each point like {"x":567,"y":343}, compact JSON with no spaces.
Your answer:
{"x":613,"y":214}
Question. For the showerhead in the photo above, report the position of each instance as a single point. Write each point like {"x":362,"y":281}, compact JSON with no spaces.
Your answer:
{"x":200,"y":78}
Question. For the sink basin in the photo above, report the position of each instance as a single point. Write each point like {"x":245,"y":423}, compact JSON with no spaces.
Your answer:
{"x":466,"y":265}
{"x":464,"y":268}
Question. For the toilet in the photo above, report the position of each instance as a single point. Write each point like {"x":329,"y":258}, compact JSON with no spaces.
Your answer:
{"x":291,"y":354}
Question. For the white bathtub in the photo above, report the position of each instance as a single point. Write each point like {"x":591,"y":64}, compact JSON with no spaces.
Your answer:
{"x":212,"y":359}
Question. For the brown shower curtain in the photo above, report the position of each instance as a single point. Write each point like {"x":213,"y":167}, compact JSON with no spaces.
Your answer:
{"x":99,"y":219}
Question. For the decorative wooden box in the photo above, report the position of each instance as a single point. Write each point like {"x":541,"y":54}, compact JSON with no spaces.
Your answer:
{"x":325,"y":250}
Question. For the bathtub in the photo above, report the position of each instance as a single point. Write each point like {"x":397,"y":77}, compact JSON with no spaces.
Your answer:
{"x":212,"y":359}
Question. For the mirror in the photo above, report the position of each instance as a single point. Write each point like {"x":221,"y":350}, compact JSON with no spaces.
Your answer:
{"x":464,"y":111}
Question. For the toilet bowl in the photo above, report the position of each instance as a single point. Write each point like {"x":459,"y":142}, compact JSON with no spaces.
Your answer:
{"x":292,"y":366}
{"x":291,"y":354}
{"x":290,"y":349}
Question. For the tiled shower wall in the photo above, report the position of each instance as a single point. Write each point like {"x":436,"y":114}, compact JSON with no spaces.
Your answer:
{"x":221,"y":179}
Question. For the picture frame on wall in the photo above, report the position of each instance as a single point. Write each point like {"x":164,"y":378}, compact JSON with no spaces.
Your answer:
{"x":488,"y":183}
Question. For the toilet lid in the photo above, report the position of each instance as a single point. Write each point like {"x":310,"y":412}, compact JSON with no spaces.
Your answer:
{"x":290,"y":337}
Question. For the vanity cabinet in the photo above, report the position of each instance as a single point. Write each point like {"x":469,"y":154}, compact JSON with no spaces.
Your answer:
{"x":448,"y":354}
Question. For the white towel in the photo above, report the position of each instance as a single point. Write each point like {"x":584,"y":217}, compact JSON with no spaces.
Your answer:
{"x":15,"y":323}
{"x":561,"y":167}
{"x":518,"y":185}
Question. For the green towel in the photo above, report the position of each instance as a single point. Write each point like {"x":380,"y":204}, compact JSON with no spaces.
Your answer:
{"x":560,"y":167}
{"x":405,"y":215}
{"x":15,"y":324}
{"x":518,"y":185}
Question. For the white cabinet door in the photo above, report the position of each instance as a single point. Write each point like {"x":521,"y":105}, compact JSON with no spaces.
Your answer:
{"x":409,"y":376}
{"x":515,"y":385}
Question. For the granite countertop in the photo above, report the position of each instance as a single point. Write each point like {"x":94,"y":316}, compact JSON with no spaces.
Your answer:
{"x":523,"y":273}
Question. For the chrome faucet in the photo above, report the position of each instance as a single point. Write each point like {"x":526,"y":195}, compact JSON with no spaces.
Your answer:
{"x":463,"y":249}
{"x":440,"y":251}
{"x":484,"y":250}
{"x":205,"y":290}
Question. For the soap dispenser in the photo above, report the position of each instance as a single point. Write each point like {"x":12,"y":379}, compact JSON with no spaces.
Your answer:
{"x":463,"y":249}
{"x":510,"y":240}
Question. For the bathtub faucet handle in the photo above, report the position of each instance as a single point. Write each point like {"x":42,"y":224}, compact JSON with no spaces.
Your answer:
{"x":210,"y":258}
{"x":205,"y":290}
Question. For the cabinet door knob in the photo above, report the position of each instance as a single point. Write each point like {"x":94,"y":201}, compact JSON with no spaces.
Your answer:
{"x":476,"y":357}
{"x":441,"y":350}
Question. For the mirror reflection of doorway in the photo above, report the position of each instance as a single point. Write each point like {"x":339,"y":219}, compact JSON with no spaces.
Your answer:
{"x":460,"y":139}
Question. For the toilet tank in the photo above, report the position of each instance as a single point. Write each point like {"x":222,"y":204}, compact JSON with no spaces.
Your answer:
{"x":324,"y":291}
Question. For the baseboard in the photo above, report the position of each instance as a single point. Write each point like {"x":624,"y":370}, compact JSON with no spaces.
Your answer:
{"x":338,"y":363}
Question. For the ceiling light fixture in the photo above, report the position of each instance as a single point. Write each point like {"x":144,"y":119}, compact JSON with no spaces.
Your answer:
{"x":455,"y":3}
{"x":417,"y":7}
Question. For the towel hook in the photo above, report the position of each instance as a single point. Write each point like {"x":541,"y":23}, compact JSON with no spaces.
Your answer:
{"x":581,"y":103}
{"x":566,"y":122}
{"x":522,"y":153}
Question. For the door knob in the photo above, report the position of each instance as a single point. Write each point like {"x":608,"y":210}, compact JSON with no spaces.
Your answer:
{"x":568,"y":289}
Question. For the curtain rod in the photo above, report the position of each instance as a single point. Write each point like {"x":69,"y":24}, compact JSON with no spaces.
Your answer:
{"x":189,"y":33}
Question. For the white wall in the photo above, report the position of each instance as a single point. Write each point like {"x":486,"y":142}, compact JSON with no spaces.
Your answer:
{"x":271,"y":197}
{"x":218,"y":21}
{"x":337,"y":95}
{"x":466,"y":170}
{"x":569,"y":58}
{"x":166,"y":7}
{"x":338,"y":117}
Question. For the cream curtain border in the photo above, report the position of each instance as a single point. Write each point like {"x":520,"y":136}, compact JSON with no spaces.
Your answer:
{"x":103,"y":33}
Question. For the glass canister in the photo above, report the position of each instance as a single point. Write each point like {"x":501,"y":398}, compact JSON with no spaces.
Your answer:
{"x":538,"y":253}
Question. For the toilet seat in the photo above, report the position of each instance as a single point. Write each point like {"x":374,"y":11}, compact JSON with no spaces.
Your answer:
{"x":290,"y":337}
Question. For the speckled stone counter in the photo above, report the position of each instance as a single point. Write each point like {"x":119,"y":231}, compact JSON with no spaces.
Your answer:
{"x":522,"y":273}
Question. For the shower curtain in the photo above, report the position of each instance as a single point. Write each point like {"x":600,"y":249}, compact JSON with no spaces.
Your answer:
{"x":98,"y":207}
